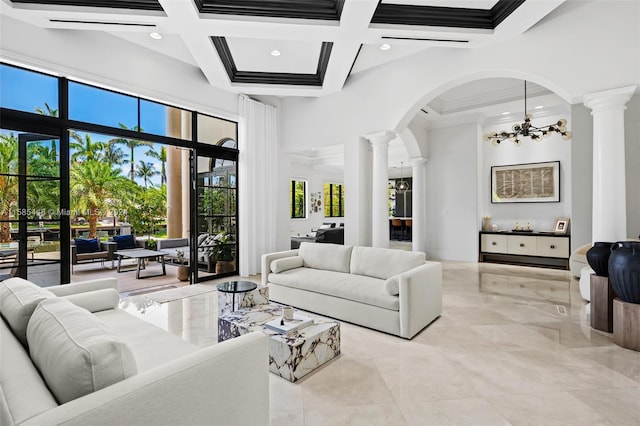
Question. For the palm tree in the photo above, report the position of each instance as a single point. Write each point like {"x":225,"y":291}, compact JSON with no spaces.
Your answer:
{"x":42,"y":160}
{"x":50,"y":112}
{"x":131,"y":144}
{"x":93,"y":183}
{"x":85,"y":148}
{"x":146,"y":171}
{"x":162,"y":157}
{"x":114,"y":155}
{"x":8,"y":182}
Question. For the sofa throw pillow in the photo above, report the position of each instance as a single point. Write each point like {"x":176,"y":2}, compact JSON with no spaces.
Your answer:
{"x":84,"y":245}
{"x":75,"y":352}
{"x":286,"y":263}
{"x":18,"y":300}
{"x":125,"y":242}
{"x":392,"y":285}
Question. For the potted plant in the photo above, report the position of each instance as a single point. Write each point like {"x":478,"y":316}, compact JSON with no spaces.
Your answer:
{"x":183,"y":266}
{"x":223,"y":253}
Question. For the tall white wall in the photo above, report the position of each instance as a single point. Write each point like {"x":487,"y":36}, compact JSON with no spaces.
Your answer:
{"x":541,"y":216}
{"x":451,"y":193}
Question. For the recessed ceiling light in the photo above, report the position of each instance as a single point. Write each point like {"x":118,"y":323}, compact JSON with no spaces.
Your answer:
{"x":314,"y":149}
{"x":275,"y":52}
{"x":155,"y":36}
{"x":385,"y":46}
{"x":539,"y":106}
{"x":505,"y":113}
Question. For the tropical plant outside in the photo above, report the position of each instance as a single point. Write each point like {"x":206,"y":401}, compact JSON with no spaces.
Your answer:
{"x":99,"y":186}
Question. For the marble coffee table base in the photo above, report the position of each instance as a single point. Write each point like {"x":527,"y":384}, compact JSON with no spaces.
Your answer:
{"x":259,"y":296}
{"x":291,"y":356}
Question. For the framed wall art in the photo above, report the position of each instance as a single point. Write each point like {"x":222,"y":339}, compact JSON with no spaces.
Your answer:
{"x":526,"y":183}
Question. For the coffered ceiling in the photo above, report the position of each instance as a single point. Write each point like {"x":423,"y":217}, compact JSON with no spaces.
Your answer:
{"x":288,"y":47}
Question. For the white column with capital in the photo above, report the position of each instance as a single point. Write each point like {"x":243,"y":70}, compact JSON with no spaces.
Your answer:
{"x":419,"y":210}
{"x":380,"y":188}
{"x":609,"y":217}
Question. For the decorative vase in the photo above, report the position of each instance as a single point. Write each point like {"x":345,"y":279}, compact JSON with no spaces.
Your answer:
{"x":183,"y":273}
{"x":598,"y":258}
{"x":624,"y":270}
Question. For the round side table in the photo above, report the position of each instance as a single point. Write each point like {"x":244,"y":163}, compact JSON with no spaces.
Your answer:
{"x":235,"y":287}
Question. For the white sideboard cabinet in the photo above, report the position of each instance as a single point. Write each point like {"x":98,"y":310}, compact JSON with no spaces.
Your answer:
{"x":526,"y":248}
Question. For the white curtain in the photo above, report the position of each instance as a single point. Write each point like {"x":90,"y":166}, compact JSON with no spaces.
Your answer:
{"x":257,"y":182}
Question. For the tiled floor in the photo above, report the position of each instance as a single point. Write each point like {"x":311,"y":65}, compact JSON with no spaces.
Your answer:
{"x":513,"y":346}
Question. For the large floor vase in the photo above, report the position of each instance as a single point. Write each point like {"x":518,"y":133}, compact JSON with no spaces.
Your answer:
{"x":624,"y":270}
{"x":598,"y":258}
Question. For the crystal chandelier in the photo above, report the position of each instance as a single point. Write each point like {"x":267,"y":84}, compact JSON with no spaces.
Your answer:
{"x":402,"y":185}
{"x":527,"y":129}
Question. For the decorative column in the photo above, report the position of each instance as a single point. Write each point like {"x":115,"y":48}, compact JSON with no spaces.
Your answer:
{"x":609,"y":189}
{"x":186,"y":175}
{"x":174,"y":180}
{"x":380,"y":188}
{"x":357,"y":187}
{"x":419,"y":211}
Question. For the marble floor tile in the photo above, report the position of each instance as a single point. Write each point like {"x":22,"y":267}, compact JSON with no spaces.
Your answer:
{"x":620,"y":406}
{"x":549,"y":409}
{"x":513,"y":346}
{"x":620,"y":360}
{"x":427,"y":378}
{"x":345,"y":382}
{"x":572,"y":335}
{"x":469,"y":411}
{"x":362,"y":415}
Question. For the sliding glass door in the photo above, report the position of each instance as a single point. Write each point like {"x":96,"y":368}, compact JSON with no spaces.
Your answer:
{"x":30,"y":211}
{"x":216,"y":236}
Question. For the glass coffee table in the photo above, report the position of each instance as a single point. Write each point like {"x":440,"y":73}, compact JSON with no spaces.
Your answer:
{"x":235,"y":287}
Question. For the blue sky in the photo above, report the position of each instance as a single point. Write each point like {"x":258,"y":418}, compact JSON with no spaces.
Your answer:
{"x":25,"y":91}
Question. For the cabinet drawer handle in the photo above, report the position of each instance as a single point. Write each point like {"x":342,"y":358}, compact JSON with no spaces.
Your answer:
{"x":493,"y":243}
{"x":521,"y":244}
{"x":552,"y":246}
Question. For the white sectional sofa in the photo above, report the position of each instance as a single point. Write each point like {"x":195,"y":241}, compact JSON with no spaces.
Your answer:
{"x":393,"y":291}
{"x":68,"y":355}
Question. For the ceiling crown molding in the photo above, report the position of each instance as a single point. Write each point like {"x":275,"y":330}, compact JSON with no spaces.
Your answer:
{"x":309,"y":9}
{"x":439,"y":16}
{"x":256,"y":77}
{"x":112,"y":4}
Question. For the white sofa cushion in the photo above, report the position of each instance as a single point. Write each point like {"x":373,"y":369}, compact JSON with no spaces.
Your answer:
{"x":75,"y":352}
{"x":358,"y":288}
{"x":23,"y":393}
{"x":383,"y":263}
{"x":329,"y":257}
{"x":18,"y":300}
{"x":392,"y":285}
{"x":286,"y":263}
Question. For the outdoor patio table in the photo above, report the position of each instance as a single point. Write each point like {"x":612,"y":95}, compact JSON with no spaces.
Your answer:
{"x":141,"y":255}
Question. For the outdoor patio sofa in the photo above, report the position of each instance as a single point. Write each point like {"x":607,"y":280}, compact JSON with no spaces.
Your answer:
{"x":70,"y":356}
{"x":91,"y":249}
{"x":171,"y":246}
{"x":394,"y":291}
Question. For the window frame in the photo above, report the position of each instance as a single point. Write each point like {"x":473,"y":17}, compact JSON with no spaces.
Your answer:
{"x":292,"y":199}
{"x":330,"y":206}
